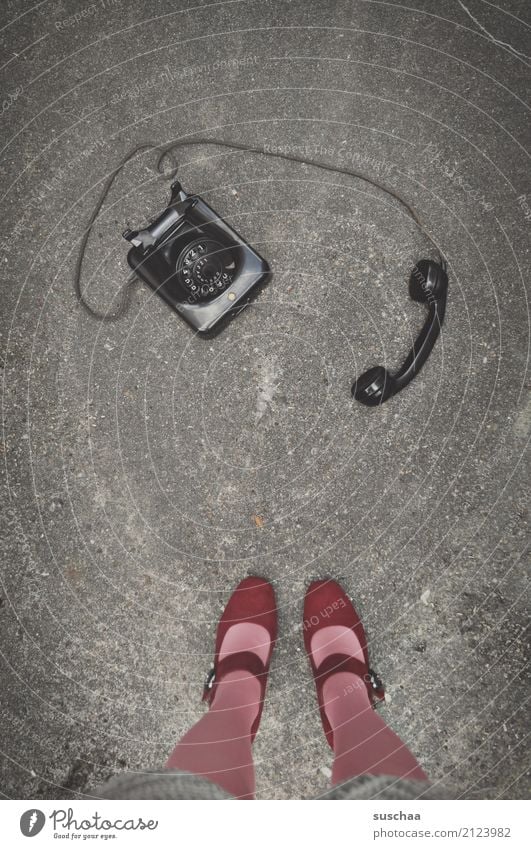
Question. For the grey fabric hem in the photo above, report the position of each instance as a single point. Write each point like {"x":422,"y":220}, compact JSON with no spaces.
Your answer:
{"x":384,"y":787}
{"x":161,"y":784}
{"x":175,"y":784}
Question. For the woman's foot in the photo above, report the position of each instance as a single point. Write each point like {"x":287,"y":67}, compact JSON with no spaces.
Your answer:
{"x":347,"y":690}
{"x":245,"y":638}
{"x":335,"y":642}
{"x":218,"y":747}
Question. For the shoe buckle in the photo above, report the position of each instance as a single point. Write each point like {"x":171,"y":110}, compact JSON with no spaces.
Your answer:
{"x":210,"y":679}
{"x":374,"y":680}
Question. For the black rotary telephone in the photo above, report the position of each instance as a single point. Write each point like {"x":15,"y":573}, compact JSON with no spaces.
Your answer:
{"x":198,"y":264}
{"x":206,"y":272}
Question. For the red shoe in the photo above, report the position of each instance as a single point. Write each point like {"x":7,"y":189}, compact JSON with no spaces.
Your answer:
{"x":253,"y":601}
{"x":326,"y":604}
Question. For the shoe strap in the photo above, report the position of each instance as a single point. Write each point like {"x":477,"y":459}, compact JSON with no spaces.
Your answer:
{"x":342,"y":663}
{"x":241,"y":661}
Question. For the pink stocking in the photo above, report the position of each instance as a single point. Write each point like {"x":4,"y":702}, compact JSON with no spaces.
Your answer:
{"x":363,"y":743}
{"x":218,"y":747}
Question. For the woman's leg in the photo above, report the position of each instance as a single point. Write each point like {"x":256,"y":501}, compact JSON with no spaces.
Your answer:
{"x":218,"y":747}
{"x":363,"y":743}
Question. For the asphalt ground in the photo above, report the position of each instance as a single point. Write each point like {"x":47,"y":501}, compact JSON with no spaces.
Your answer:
{"x":147,"y":470}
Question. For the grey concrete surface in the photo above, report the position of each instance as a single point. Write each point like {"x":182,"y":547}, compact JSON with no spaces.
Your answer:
{"x":146,"y":471}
